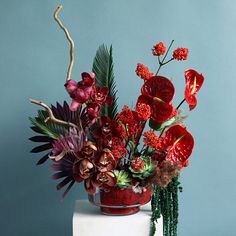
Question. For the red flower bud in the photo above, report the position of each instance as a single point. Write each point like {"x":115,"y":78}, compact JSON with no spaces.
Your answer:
{"x":159,"y":49}
{"x":180,"y":54}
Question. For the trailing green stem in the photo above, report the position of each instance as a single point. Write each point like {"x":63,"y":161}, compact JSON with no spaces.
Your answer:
{"x":165,"y":203}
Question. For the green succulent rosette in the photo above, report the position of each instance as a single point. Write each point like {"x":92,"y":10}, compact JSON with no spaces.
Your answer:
{"x":146,"y":171}
{"x":123,"y":178}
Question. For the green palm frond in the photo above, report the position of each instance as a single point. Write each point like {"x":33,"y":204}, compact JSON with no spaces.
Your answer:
{"x":49,"y":128}
{"x":103,"y":69}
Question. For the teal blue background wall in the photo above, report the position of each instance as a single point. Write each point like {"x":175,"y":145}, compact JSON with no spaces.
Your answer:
{"x":33,"y":63}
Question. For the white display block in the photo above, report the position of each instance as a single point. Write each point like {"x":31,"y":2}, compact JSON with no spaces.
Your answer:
{"x":88,"y":221}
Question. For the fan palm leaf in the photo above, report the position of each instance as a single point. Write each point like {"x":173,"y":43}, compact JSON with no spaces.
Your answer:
{"x":103,"y":69}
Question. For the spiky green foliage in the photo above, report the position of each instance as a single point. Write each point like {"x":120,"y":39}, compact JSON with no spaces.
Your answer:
{"x":165,"y":203}
{"x":103,"y":69}
{"x":123,"y":178}
{"x":49,"y":128}
{"x":146,"y":171}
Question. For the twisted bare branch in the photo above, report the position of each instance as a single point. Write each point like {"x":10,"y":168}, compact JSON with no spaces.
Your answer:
{"x":72,"y":45}
{"x":51,"y":116}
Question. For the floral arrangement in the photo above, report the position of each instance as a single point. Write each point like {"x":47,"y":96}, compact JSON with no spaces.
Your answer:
{"x":146,"y":145}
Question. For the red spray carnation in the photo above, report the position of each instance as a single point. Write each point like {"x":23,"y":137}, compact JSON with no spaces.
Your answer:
{"x":180,"y":54}
{"x":159,"y":49}
{"x":120,"y":132}
{"x":194,"y":82}
{"x":126,"y":115}
{"x":150,"y":139}
{"x":143,"y":111}
{"x":143,"y":72}
{"x":118,"y":148}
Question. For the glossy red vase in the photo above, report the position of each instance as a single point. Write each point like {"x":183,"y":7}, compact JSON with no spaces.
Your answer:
{"x":118,"y":201}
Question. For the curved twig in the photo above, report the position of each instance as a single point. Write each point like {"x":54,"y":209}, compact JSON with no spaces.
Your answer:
{"x":51,"y":116}
{"x":72,"y":45}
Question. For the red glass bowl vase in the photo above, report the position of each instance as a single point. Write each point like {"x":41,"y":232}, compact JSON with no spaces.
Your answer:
{"x":119,"y":201}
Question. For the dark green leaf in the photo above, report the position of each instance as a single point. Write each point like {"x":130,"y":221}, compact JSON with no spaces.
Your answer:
{"x":154,"y":125}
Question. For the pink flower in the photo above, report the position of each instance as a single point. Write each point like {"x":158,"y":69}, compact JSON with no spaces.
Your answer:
{"x":80,"y":92}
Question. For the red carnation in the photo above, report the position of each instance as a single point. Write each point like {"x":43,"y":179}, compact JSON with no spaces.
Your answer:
{"x":118,"y":148}
{"x":150,"y":139}
{"x":180,"y":54}
{"x":143,"y":111}
{"x":126,"y":115}
{"x":143,"y":72}
{"x":158,"y":49}
{"x":194,"y":82}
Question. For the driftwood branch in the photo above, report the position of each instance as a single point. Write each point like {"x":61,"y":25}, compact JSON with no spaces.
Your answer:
{"x":51,"y":116}
{"x":72,"y":45}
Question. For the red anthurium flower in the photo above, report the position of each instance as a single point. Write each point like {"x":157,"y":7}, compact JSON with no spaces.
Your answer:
{"x":162,"y":111}
{"x":178,"y":142}
{"x":194,"y":82}
{"x":80,"y":92}
{"x":158,"y":92}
